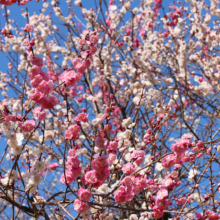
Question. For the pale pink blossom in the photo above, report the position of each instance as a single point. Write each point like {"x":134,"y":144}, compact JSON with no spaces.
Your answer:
{"x":80,"y":206}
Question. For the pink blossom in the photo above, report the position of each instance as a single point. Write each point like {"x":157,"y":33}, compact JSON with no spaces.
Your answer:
{"x":28,"y":28}
{"x":27,"y":126}
{"x":76,"y":61}
{"x":128,"y":181}
{"x":52,"y":166}
{"x":36,"y":81}
{"x":82,"y":42}
{"x":93,"y":49}
{"x":82,"y":117}
{"x":138,"y":156}
{"x":181,"y":146}
{"x":91,"y":177}
{"x":108,"y":21}
{"x":72,"y":132}
{"x":72,"y":153}
{"x":35,"y":70}
{"x":34,"y":96}
{"x":162,"y":204}
{"x":102,"y":175}
{"x":167,"y":183}
{"x":81,"y":68}
{"x":212,"y":215}
{"x":11,"y":118}
{"x":181,"y":201}
{"x":200,"y":216}
{"x":45,"y":87}
{"x":136,"y":186}
{"x":157,"y":213}
{"x":108,"y":127}
{"x":72,"y":92}
{"x":44,"y":75}
{"x":168,"y":161}
{"x":101,"y":143}
{"x":111,"y":158}
{"x":38,"y":61}
{"x":113,"y":145}
{"x":7,"y":2}
{"x":120,"y":197}
{"x":128,"y":168}
{"x":84,"y":194}
{"x":93,"y":39}
{"x":48,"y":103}
{"x":86,"y":63}
{"x":26,"y":43}
{"x":80,"y":206}
{"x":73,"y":162}
{"x":143,"y":181}
{"x":158,"y":1}
{"x":162,"y":194}
{"x":85,"y":32}
{"x":100,"y":162}
{"x":67,"y":178}
{"x":39,"y":114}
{"x":70,"y":77}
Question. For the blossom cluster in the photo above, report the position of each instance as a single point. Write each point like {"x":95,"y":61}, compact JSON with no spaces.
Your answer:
{"x":110,"y":112}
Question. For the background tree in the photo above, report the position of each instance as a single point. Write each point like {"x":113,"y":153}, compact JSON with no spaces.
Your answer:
{"x":110,"y":111}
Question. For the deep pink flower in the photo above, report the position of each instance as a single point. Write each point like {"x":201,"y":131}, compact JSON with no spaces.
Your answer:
{"x":128,"y":168}
{"x":84,"y":194}
{"x":70,"y":77}
{"x":93,"y":39}
{"x":38,"y":61}
{"x":27,"y":126}
{"x":120,"y":197}
{"x":7,"y":2}
{"x":72,"y":132}
{"x":28,"y":28}
{"x":102,"y":175}
{"x":181,"y":201}
{"x":100,"y":162}
{"x":113,"y":145}
{"x":86,"y":63}
{"x":45,"y":86}
{"x":82,"y":42}
{"x":80,"y":206}
{"x":81,"y":68}
{"x":91,"y":177}
{"x":73,"y":162}
{"x":11,"y":118}
{"x":67,"y":178}
{"x":52,"y":166}
{"x":36,"y":81}
{"x":72,"y":153}
{"x":157,"y":213}
{"x":168,"y":161}
{"x":101,"y":143}
{"x":138,"y":156}
{"x":93,"y":49}
{"x":136,"y":186}
{"x":82,"y":117}
{"x":35,"y":70}
{"x":76,"y":61}
{"x":128,"y":181}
